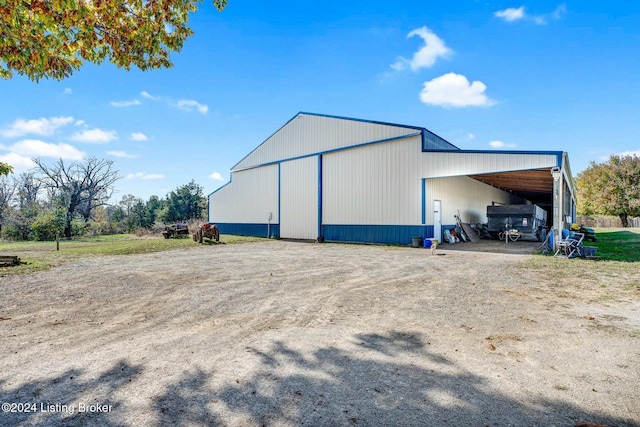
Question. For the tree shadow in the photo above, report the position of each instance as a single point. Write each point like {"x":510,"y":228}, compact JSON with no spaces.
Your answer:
{"x":372,"y":386}
{"x":211,"y":242}
{"x":377,"y":379}
{"x":57,"y":399}
{"x":520,"y":247}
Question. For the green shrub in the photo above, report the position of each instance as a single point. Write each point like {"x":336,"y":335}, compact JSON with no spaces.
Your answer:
{"x":47,"y":225}
{"x":78,"y":227}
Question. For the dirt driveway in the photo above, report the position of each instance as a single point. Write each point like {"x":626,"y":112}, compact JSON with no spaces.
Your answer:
{"x":288,"y":334}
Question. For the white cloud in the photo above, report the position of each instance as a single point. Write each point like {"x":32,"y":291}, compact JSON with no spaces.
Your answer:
{"x":37,"y":148}
{"x":95,"y":136}
{"x":125,"y":103}
{"x":68,"y":91}
{"x":540,"y":20}
{"x":500,"y":144}
{"x":191,"y":105}
{"x":142,"y":175}
{"x":183,"y":104}
{"x":80,"y":123}
{"x":42,"y":126}
{"x":121,"y":154}
{"x":434,"y":48}
{"x":559,"y":12}
{"x":139,"y":136}
{"x":147,"y":95}
{"x":216,"y":176}
{"x":471,"y":136}
{"x":20,"y":163}
{"x":629,"y":153}
{"x":454,"y":90}
{"x":511,"y":14}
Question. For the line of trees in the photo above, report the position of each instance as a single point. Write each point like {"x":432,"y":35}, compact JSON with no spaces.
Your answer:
{"x":611,"y":188}
{"x":72,"y":199}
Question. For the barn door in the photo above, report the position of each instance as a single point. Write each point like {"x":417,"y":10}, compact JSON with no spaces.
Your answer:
{"x":437,"y":220}
{"x":299,"y":198}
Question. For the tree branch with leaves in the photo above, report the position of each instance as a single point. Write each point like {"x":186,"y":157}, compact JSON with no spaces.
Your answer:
{"x":53,"y":38}
{"x":5,"y":169}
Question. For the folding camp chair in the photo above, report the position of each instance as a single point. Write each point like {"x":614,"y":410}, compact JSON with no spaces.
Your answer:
{"x":569,"y":247}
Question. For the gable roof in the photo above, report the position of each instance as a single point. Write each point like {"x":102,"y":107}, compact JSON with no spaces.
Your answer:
{"x":309,"y":134}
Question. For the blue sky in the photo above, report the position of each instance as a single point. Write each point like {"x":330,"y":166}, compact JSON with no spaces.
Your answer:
{"x":488,"y":74}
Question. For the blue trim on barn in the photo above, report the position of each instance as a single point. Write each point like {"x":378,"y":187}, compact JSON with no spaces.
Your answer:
{"x":353,"y":233}
{"x":390,"y":234}
{"x":258,"y":230}
{"x":320,"y":195}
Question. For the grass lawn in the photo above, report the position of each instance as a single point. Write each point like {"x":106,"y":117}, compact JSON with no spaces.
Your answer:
{"x":43,"y":255}
{"x":617,"y":254}
{"x":620,"y":244}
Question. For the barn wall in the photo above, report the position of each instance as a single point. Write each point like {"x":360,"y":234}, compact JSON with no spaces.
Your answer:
{"x":299,"y":198}
{"x":375,"y":184}
{"x":241,"y":206}
{"x":464,"y":194}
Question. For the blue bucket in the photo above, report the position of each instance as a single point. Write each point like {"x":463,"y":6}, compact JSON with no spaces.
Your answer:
{"x":427,"y":243}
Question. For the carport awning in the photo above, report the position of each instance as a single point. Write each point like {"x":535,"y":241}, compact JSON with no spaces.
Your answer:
{"x":535,"y":185}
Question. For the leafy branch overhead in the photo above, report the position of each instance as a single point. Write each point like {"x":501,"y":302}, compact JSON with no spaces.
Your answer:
{"x":5,"y":169}
{"x":52,"y":38}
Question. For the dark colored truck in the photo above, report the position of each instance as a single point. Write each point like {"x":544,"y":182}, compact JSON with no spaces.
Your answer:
{"x":530,"y":221}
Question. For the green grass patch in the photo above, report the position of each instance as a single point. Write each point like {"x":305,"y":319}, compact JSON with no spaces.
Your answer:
{"x":43,"y":255}
{"x":618,"y":244}
{"x":635,"y":286}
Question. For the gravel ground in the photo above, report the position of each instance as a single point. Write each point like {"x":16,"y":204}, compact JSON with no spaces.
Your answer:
{"x":282,"y":333}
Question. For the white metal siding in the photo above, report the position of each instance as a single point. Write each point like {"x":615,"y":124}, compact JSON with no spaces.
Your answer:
{"x":464,"y":194}
{"x":375,"y":184}
{"x":248,"y":198}
{"x":455,"y":163}
{"x":309,"y":134}
{"x":299,"y":198}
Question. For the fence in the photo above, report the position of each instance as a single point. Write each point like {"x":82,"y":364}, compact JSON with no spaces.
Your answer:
{"x":602,"y":221}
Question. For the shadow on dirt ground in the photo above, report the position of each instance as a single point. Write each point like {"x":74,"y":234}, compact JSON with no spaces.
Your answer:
{"x":326,"y":387}
{"x":494,"y":246}
{"x":50,"y":395}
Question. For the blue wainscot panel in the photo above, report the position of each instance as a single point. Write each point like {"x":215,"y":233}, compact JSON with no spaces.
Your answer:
{"x":258,"y":230}
{"x":390,"y":234}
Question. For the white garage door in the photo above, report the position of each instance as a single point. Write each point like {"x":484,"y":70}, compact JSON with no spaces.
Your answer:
{"x":299,"y":198}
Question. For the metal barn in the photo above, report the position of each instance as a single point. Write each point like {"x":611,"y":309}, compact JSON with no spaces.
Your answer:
{"x":349,"y":180}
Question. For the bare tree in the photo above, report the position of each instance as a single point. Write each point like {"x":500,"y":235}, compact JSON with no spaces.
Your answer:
{"x":7,"y":189}
{"x":79,"y":186}
{"x":27,"y":189}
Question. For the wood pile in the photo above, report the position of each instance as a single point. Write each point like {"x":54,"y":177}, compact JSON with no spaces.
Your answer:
{"x":9,"y":260}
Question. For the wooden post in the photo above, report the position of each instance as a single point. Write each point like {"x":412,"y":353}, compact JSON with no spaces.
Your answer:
{"x":57,"y":241}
